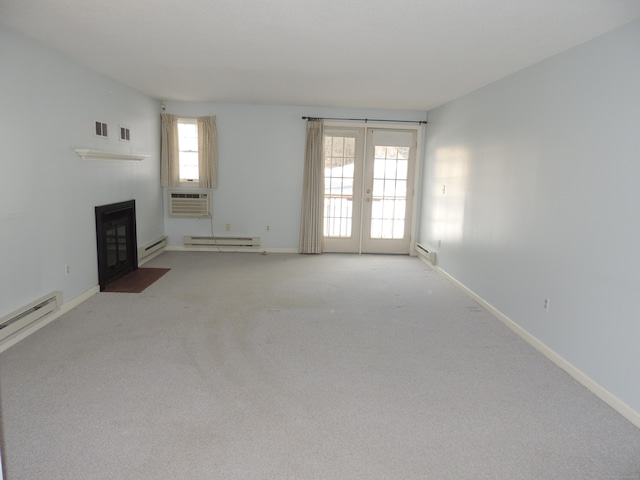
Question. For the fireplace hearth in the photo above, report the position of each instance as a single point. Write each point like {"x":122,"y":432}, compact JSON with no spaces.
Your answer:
{"x":116,"y":241}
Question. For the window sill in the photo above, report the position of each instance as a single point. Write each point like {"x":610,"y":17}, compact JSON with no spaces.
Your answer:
{"x":88,"y":154}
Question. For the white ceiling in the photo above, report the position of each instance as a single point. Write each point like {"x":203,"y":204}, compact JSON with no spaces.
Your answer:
{"x":400,"y":54}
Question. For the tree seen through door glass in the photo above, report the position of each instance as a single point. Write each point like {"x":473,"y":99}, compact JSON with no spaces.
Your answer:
{"x":339,"y":158}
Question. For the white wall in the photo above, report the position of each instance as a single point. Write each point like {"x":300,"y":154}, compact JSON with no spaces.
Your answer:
{"x":48,"y":105}
{"x":261,"y":155}
{"x":541,"y":200}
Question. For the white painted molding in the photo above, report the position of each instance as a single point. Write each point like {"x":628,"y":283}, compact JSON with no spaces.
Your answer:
{"x":35,"y":326}
{"x":607,"y":397}
{"x":88,"y":154}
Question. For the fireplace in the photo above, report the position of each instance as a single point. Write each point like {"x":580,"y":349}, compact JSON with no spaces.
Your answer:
{"x":116,"y":239}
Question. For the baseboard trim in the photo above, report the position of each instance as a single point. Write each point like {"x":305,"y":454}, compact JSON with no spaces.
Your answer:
{"x":35,"y":326}
{"x":598,"y":390}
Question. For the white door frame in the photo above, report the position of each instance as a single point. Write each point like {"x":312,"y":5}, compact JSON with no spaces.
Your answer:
{"x":419,"y":129}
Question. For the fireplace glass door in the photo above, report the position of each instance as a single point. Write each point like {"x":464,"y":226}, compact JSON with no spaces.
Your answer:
{"x":116,"y":238}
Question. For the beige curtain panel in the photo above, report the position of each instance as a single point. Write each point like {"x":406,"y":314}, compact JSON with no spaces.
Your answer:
{"x":207,"y":152}
{"x":169,"y":166}
{"x":311,"y":234}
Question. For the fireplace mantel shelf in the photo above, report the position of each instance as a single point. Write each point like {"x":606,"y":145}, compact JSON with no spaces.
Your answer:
{"x":88,"y":154}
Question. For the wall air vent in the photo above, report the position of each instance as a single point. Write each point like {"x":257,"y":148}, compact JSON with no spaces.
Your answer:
{"x":101,"y":130}
{"x":189,"y":204}
{"x":125,"y":134}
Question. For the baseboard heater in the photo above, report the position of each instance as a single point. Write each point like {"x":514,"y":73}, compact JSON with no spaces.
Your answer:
{"x":428,"y":255}
{"x":227,"y":243}
{"x":152,"y":248}
{"x":29,"y":314}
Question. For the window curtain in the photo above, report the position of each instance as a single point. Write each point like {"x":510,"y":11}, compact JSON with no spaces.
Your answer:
{"x":169,"y":164}
{"x":311,"y":233}
{"x":207,"y":152}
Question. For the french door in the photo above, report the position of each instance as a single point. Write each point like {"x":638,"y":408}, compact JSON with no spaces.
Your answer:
{"x":368,"y":194}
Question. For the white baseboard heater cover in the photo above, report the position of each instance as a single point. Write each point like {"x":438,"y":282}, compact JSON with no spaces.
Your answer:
{"x":428,"y":255}
{"x":151,"y":248}
{"x":189,"y":203}
{"x":29,"y":314}
{"x":228,"y":242}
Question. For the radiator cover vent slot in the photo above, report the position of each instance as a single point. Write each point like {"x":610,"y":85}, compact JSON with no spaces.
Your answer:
{"x":189,"y":204}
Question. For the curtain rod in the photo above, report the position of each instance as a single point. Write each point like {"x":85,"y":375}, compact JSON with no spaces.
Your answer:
{"x":365,"y":120}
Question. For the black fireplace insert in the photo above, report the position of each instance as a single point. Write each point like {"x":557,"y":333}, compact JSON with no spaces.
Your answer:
{"x":116,"y":239}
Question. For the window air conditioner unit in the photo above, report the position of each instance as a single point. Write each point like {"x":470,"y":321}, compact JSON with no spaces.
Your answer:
{"x":189,"y":204}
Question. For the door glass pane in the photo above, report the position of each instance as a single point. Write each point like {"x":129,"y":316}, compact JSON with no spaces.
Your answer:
{"x":403,"y":167}
{"x":389,"y":195}
{"x":378,"y":187}
{"x":122,"y":243}
{"x":337,"y":148}
{"x":112,"y":245}
{"x":398,"y":228}
{"x":389,"y":188}
{"x":392,"y":152}
{"x":339,"y":162}
{"x":390,"y":169}
{"x":388,"y":209}
{"x":376,"y":228}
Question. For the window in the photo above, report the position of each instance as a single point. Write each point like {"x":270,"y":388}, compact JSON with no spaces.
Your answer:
{"x":188,"y":149}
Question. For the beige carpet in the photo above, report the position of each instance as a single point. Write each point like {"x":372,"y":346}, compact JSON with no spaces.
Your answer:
{"x":248,"y":366}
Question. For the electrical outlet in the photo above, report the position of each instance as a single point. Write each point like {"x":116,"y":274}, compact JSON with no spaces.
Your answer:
{"x":268,"y":227}
{"x":227,"y":227}
{"x":67,"y":270}
{"x":546,"y":304}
